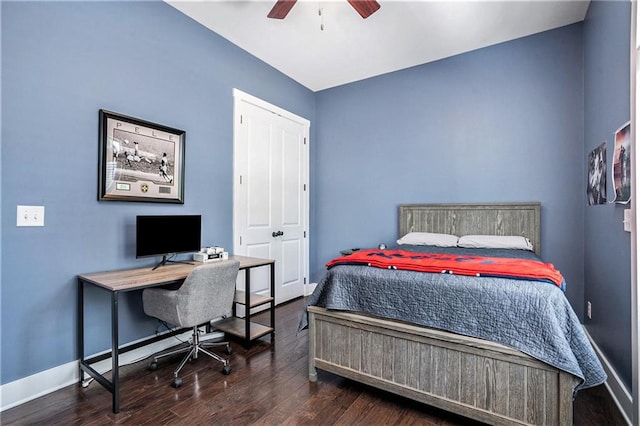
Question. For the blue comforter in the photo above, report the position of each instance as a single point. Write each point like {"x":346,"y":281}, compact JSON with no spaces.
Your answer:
{"x":533,"y":317}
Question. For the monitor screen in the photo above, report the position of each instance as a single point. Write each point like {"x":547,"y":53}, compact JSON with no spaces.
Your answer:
{"x":163,"y":235}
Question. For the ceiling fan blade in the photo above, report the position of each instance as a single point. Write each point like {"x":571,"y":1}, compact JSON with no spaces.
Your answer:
{"x":365,"y":8}
{"x":281,"y":9}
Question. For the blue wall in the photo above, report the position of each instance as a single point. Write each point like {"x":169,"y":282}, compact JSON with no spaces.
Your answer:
{"x":62,"y":62}
{"x":607,"y":245}
{"x":498,"y":124}
{"x":504,"y":123}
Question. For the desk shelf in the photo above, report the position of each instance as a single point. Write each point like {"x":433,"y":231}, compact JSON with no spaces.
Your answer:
{"x":254,"y":299}
{"x":243,"y":328}
{"x":236,"y":327}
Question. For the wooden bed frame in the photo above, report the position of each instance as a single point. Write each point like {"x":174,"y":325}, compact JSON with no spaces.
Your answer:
{"x":476,"y":378}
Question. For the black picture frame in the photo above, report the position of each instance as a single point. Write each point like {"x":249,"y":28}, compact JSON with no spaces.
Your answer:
{"x":139,"y":160}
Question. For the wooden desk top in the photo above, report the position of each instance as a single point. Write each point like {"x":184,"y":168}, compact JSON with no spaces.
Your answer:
{"x":135,"y":279}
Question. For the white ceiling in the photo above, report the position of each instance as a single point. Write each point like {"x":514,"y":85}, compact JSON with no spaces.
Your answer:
{"x":399,"y":35}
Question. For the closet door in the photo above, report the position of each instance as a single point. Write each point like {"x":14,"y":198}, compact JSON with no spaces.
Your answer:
{"x":270,"y":193}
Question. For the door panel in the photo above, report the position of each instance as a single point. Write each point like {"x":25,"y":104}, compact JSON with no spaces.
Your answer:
{"x":292,"y":193}
{"x":258,"y":175}
{"x":291,"y":271}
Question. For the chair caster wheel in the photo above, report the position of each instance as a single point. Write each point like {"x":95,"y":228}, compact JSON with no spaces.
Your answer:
{"x":153,"y":366}
{"x":177,"y":382}
{"x":228,"y":350}
{"x":226,"y":370}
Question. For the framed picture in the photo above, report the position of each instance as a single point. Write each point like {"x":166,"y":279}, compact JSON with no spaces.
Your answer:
{"x":139,"y":160}
{"x":597,"y":176}
{"x":622,"y":164}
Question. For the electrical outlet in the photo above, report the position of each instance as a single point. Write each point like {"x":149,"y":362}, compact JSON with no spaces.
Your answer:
{"x":30,"y":216}
{"x":626,"y":222}
{"x":589,"y":310}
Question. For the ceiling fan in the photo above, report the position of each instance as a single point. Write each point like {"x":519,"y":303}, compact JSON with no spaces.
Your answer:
{"x":365,"y":8}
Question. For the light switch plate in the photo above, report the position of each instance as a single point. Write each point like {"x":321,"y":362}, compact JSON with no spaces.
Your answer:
{"x":30,"y":216}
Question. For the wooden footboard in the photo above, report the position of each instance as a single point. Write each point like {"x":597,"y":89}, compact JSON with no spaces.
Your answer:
{"x":475,"y":378}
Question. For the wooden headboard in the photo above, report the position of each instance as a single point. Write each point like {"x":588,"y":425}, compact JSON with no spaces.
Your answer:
{"x":473,"y":219}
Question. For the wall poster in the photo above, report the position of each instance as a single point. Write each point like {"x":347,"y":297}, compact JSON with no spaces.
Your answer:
{"x":597,"y":179}
{"x":622,"y":164}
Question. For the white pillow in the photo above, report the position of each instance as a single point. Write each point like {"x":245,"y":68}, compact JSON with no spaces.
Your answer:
{"x":495,"y":241}
{"x":429,"y":239}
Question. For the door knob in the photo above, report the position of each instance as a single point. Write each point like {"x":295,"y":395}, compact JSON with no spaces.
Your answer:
{"x":277,"y":234}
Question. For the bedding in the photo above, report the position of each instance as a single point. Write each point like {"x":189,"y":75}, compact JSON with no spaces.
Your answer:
{"x":429,"y":239}
{"x":457,"y":264}
{"x":495,"y":241}
{"x":533,"y":317}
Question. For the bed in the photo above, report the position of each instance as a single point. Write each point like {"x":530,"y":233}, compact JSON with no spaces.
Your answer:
{"x":490,"y":370}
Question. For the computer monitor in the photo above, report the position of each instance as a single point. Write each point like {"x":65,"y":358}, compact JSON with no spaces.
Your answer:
{"x":167,"y":235}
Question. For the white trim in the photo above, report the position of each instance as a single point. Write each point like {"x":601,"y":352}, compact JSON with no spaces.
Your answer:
{"x":31,"y":387}
{"x":39,"y":384}
{"x":614,"y":385}
{"x":635,"y":217}
{"x":310,"y":288}
{"x":242,"y":96}
{"x":239,"y":98}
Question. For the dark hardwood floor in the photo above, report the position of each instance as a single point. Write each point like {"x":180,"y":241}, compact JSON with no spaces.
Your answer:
{"x":268,"y":386}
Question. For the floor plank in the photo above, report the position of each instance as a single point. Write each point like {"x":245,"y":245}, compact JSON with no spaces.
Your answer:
{"x":268,"y":386}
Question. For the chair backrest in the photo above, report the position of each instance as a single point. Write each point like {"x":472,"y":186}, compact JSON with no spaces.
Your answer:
{"x":207,"y":292}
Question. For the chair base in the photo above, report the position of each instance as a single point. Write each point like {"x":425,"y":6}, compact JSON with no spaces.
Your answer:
{"x":193,"y":348}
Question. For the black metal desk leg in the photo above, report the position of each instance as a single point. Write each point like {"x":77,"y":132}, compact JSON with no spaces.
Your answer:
{"x":80,"y":337}
{"x":247,"y":306}
{"x":114,"y":352}
{"x":273,"y":301}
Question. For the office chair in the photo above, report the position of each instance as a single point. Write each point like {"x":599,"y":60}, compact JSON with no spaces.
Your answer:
{"x":207,"y":293}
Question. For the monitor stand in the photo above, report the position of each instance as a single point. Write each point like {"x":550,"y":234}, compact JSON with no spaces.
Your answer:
{"x":164,"y":261}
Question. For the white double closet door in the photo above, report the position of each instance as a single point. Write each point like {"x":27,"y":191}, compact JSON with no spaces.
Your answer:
{"x":271,"y":197}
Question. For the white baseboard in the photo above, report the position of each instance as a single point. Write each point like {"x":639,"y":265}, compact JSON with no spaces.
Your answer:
{"x":26,"y":389}
{"x":309,"y":288}
{"x":614,"y":385}
{"x":39,"y":384}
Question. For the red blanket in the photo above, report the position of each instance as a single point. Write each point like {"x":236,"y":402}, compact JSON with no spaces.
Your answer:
{"x":454,"y":264}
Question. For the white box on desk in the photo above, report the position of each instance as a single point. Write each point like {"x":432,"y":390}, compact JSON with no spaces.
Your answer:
{"x":204,"y":257}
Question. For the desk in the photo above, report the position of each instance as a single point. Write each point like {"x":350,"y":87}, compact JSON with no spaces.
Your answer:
{"x":117,"y":282}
